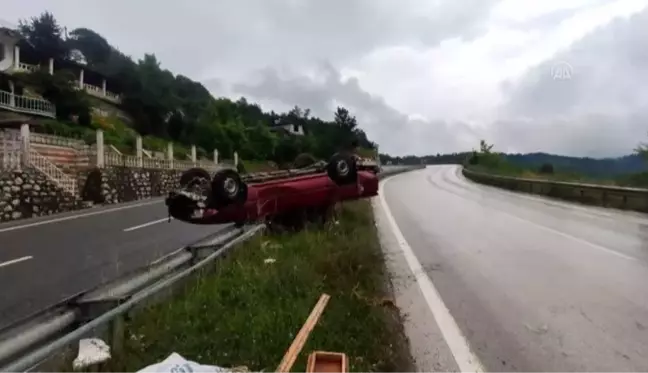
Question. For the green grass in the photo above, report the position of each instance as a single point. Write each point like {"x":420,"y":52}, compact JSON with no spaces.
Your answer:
{"x":246,"y":312}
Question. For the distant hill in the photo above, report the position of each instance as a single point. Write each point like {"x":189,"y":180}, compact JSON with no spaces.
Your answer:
{"x":601,"y":167}
{"x":605,"y":167}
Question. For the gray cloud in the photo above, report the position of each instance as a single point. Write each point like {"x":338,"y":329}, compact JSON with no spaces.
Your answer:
{"x":395,"y":131}
{"x":203,"y":38}
{"x":602,"y":110}
{"x":267,"y":49}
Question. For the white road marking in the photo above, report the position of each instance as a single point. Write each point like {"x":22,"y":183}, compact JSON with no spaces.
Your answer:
{"x":14,"y":261}
{"x":146,"y":224}
{"x":569,"y":236}
{"x":459,"y":347}
{"x":563,"y":234}
{"x":56,"y":220}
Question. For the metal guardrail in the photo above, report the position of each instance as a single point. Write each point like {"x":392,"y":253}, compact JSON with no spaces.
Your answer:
{"x":397,"y":169}
{"x":593,"y":194}
{"x":24,"y":347}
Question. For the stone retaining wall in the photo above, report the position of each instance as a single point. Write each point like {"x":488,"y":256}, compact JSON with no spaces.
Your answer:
{"x":122,"y":184}
{"x":28,"y":193}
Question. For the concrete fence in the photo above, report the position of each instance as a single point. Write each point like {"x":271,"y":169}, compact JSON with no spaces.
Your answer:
{"x":16,"y":147}
{"x":592,"y":194}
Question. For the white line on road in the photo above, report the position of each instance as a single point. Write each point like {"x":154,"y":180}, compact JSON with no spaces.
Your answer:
{"x":14,"y":261}
{"x":556,"y":231}
{"x":459,"y":347}
{"x":56,"y":220}
{"x":569,"y":236}
{"x":146,"y":224}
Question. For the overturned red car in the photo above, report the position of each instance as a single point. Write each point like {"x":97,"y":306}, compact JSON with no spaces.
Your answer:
{"x":227,"y":197}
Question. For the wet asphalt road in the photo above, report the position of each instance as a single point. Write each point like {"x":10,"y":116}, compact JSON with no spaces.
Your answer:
{"x":533,"y":284}
{"x":46,"y":260}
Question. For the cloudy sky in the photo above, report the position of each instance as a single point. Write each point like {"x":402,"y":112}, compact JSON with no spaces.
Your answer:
{"x":421,"y":76}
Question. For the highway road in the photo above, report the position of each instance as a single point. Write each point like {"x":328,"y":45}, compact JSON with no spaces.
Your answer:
{"x":530,"y":284}
{"x":46,"y":260}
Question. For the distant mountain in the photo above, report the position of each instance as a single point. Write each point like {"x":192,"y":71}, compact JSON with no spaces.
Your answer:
{"x":604,"y":167}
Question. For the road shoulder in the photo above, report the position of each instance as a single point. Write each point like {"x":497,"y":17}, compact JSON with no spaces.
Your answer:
{"x":428,"y":347}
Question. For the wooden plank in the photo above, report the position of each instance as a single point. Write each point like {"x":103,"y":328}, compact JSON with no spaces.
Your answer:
{"x":300,"y":340}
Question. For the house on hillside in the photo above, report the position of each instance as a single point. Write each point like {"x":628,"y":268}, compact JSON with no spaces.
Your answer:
{"x":283,"y":126}
{"x":17,"y":55}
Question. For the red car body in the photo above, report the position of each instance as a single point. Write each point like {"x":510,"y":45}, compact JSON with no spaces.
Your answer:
{"x":275,"y":197}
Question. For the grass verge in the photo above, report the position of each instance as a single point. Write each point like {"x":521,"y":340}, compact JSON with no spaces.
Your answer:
{"x":247,"y":312}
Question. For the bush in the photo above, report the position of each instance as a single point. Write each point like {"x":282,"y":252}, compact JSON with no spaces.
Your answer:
{"x":546,"y":168}
{"x":474,"y":159}
{"x":154,"y":143}
{"x":304,"y":160}
{"x":61,"y":91}
{"x":53,"y":127}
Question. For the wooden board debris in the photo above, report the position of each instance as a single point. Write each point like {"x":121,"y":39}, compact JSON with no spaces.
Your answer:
{"x":300,"y":340}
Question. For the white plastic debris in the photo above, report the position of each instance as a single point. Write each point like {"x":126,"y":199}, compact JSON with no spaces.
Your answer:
{"x":177,"y":364}
{"x":269,"y":260}
{"x":91,"y":351}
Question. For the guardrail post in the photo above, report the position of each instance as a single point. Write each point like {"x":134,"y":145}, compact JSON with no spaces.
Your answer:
{"x":100,"y":149}
{"x":170,"y":154}
{"x":236,"y":160}
{"x":118,"y":330}
{"x":138,"y":151}
{"x":24,"y":144}
{"x":193,"y":154}
{"x":215,"y":156}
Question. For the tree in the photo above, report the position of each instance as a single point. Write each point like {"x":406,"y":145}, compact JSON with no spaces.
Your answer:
{"x":94,"y":48}
{"x":642,"y":150}
{"x":44,"y":34}
{"x":546,"y":168}
{"x":262,"y":141}
{"x":344,"y":120}
{"x":484,"y":147}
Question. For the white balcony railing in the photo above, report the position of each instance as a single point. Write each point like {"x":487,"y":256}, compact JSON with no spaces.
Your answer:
{"x":27,"y":105}
{"x":96,"y":91}
{"x":25,"y":67}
